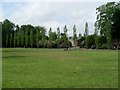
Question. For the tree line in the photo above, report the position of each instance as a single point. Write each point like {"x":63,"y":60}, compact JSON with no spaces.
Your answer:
{"x":106,"y":32}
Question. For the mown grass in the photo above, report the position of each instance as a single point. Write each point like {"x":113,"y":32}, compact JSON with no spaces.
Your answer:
{"x":53,"y":68}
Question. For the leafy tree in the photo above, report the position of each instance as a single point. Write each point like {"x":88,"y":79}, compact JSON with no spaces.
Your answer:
{"x":74,"y":36}
{"x":96,"y":35}
{"x":86,"y":35}
{"x":7,"y":28}
{"x":54,"y":36}
{"x":58,"y":37}
{"x":43,"y":36}
{"x":80,"y":35}
{"x":26,"y":39}
{"x":91,"y":41}
{"x":11,"y":39}
{"x":0,"y":34}
{"x":115,"y":29}
{"x":104,"y":13}
{"x":18,"y":35}
{"x":22,"y":39}
{"x":108,"y":34}
{"x":31,"y":38}
{"x":15,"y":39}
{"x":50,"y":37}
{"x":6,"y":40}
{"x":108,"y":18}
{"x":109,"y":21}
{"x":37,"y":38}
{"x":65,"y":35}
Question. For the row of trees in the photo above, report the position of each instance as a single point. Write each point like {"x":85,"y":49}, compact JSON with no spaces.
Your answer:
{"x":30,"y":36}
{"x":107,"y":23}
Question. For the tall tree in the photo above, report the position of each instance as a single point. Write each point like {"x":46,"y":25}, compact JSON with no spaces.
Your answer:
{"x":43,"y":36}
{"x":104,"y":13}
{"x":115,"y":29}
{"x":74,"y":36}
{"x":6,"y":40}
{"x":108,"y":34}
{"x":86,"y":35}
{"x":37,"y":38}
{"x":31,"y":38}
{"x":96,"y":34}
{"x":108,"y":21}
{"x":65,"y":35}
{"x":58,"y":37}
{"x":11,"y":39}
{"x":15,"y":39}
{"x":26,"y":39}
{"x":7,"y":28}
{"x":80,"y":35}
{"x":22,"y":39}
{"x":50,"y":37}
{"x":18,"y":35}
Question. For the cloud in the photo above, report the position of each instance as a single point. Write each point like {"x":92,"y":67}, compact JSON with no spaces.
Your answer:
{"x":59,"y":0}
{"x":55,"y":14}
{"x":1,"y":14}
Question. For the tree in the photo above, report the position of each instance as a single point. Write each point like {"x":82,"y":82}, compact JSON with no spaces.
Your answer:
{"x":22,"y":39}
{"x":11,"y":39}
{"x":37,"y":38}
{"x":108,"y":34}
{"x":50,"y":37}
{"x":31,"y":38}
{"x":74,"y":36}
{"x":80,"y":35}
{"x":86,"y":35}
{"x":18,"y":35}
{"x":15,"y":39}
{"x":65,"y":29}
{"x":109,"y":21}
{"x":43,"y":36}
{"x":7,"y":28}
{"x":104,"y":13}
{"x":65,"y":36}
{"x":6,"y":40}
{"x":115,"y":27}
{"x":26,"y":39}
{"x":58,"y":37}
{"x":96,"y":35}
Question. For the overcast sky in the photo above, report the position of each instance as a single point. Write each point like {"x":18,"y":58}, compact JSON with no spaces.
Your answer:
{"x":52,"y":13}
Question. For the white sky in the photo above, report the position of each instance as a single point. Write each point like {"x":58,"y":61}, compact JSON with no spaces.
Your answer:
{"x":52,"y":13}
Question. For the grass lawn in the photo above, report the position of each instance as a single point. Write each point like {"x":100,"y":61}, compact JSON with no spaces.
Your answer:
{"x":53,"y":68}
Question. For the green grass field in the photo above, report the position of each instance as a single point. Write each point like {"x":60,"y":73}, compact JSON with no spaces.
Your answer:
{"x":53,"y":68}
